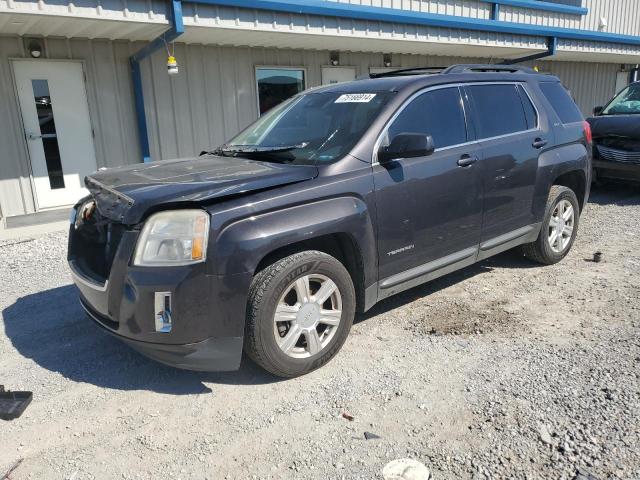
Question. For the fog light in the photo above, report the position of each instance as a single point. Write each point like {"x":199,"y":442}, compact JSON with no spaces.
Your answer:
{"x":163,"y":312}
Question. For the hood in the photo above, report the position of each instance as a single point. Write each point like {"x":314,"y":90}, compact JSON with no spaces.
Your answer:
{"x":615,"y":125}
{"x":125,"y":194}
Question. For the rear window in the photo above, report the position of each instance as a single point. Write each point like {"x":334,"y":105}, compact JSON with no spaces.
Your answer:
{"x":562,"y":104}
{"x":497,"y":110}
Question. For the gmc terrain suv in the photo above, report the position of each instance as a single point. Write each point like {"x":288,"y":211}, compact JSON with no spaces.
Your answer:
{"x":330,"y":202}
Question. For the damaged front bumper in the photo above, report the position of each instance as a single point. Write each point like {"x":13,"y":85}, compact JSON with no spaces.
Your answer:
{"x":199,"y":327}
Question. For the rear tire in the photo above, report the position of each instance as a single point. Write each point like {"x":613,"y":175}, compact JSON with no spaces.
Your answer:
{"x":559,"y":227}
{"x":299,"y":313}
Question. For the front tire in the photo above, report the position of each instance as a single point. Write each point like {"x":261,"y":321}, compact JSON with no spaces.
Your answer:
{"x":559,"y":227}
{"x":299,"y":313}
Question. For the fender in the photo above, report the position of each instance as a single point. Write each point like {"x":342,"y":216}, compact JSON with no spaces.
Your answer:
{"x":241,"y":245}
{"x":556,"y":162}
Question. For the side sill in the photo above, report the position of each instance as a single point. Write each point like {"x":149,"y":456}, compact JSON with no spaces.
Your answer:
{"x":507,"y":237}
{"x":509,"y":240}
{"x":427,"y":268}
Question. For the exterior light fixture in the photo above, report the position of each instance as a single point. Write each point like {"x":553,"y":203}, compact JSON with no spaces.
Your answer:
{"x":35,"y":49}
{"x":335,"y":58}
{"x":172,"y":65}
{"x":602,"y":24}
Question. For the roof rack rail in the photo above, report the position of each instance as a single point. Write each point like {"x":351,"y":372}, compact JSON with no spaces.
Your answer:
{"x":408,"y":71}
{"x":480,"y":67}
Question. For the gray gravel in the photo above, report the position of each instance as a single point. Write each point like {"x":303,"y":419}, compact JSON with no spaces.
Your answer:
{"x":503,"y":370}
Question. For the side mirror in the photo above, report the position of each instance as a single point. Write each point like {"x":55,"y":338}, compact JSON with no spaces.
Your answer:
{"x":597,"y":110}
{"x":407,"y":145}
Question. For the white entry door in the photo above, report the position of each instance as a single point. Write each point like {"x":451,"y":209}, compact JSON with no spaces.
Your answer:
{"x":53,"y":100}
{"x":331,"y":75}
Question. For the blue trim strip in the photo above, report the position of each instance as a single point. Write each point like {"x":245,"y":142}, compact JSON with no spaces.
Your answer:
{"x":177,"y":29}
{"x":392,"y":15}
{"x":540,"y":5}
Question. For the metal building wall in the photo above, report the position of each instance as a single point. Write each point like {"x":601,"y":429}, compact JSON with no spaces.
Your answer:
{"x":215,"y":94}
{"x":212,"y":98}
{"x":623,"y":16}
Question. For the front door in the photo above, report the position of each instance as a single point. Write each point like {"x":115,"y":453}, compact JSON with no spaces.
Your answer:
{"x":57,"y":128}
{"x":429,"y":207}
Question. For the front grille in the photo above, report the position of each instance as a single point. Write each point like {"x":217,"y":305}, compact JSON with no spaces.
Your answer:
{"x":615,"y":155}
{"x":93,"y":245}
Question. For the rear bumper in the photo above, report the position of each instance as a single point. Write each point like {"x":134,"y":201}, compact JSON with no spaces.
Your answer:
{"x":629,"y":172}
{"x":209,"y":355}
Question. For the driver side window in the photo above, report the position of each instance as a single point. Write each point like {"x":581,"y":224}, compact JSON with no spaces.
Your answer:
{"x":437,"y":113}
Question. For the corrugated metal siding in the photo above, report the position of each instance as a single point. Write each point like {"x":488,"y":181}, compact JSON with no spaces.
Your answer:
{"x":623,"y":16}
{"x":466,"y":8}
{"x":15,"y":183}
{"x":591,"y":84}
{"x":215,"y":95}
{"x":258,"y":20}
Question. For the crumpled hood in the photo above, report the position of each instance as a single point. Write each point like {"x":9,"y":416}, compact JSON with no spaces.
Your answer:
{"x":125,"y":194}
{"x":615,"y":125}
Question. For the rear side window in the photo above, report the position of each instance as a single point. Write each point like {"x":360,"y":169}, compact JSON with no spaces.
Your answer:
{"x":497,"y":110}
{"x":437,"y":113}
{"x":562,"y":104}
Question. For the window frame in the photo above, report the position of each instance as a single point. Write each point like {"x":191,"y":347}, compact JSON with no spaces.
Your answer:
{"x":471,"y":130}
{"x":276,"y":67}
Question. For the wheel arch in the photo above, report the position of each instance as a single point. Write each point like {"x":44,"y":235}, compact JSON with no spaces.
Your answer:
{"x":342,"y":246}
{"x":575,"y":180}
{"x":340,"y":227}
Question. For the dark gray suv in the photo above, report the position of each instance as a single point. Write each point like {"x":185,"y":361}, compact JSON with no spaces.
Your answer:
{"x":330,"y":202}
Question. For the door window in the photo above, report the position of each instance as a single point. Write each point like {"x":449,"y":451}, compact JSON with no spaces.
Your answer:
{"x":47,"y":124}
{"x":275,"y":85}
{"x":497,"y":110}
{"x":437,"y":113}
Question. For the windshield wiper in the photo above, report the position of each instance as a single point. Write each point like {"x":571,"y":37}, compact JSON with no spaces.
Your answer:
{"x":256,"y":149}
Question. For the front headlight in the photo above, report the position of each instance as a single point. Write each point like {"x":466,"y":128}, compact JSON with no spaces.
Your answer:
{"x":176,"y":237}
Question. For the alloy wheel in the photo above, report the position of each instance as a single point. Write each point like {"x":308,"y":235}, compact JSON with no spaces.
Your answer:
{"x":307,"y":316}
{"x":561,"y":226}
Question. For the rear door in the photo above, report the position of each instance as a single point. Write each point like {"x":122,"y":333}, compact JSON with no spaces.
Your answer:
{"x":429,"y":207}
{"x":512,"y":135}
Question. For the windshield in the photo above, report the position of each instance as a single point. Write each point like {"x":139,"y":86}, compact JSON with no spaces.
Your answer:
{"x":627,"y":101}
{"x":309,"y":128}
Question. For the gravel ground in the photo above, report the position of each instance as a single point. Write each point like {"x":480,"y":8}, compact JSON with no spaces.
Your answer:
{"x":503,"y":370}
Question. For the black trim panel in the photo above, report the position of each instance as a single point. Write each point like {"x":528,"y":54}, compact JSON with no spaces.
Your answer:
{"x":427,"y":268}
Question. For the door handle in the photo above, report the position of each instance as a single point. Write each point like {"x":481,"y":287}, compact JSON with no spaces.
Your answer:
{"x":539,"y":142}
{"x":33,"y":136}
{"x":467,"y":161}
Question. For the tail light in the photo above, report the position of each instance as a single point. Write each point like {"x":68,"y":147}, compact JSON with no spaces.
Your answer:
{"x":587,"y":132}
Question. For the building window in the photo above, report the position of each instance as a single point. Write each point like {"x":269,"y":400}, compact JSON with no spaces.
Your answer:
{"x":275,"y":85}
{"x":48,"y":133}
